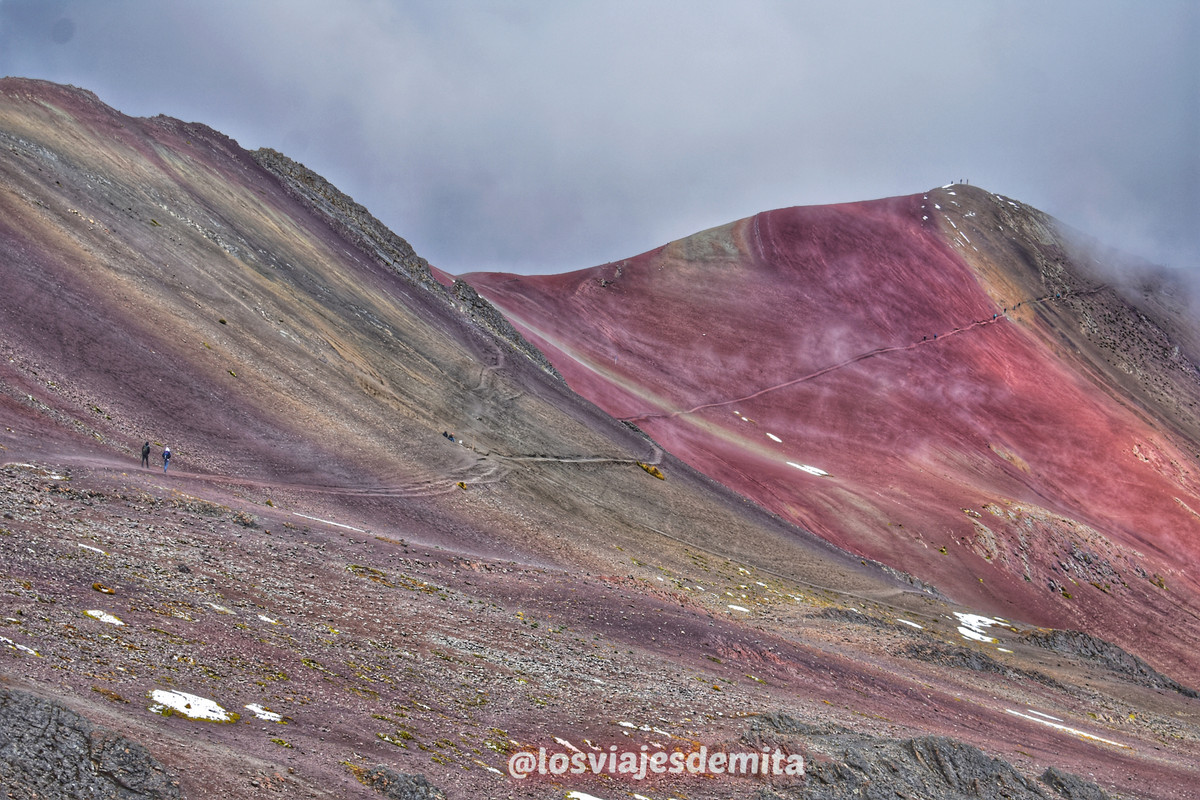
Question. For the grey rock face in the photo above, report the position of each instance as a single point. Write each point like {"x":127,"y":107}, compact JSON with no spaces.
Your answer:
{"x":50,"y":752}
{"x":1107,"y":655}
{"x":843,"y":765}
{"x":401,"y":786}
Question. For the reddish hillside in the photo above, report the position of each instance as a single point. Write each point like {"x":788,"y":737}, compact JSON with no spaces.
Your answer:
{"x":903,"y":377}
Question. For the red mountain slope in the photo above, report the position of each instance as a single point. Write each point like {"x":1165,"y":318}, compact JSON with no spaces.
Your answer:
{"x":922,"y":380}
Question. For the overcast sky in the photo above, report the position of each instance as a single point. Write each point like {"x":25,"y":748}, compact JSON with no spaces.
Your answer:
{"x":551,"y":135}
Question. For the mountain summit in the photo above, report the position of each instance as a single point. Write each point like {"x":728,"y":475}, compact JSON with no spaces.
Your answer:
{"x":932,"y":381}
{"x":892,"y":486}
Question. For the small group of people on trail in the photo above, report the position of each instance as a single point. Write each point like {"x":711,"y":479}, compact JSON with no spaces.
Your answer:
{"x":166,"y":456}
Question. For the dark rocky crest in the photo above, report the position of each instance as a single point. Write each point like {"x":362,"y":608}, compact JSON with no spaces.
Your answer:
{"x":842,"y":765}
{"x":48,"y":751}
{"x":372,"y":237}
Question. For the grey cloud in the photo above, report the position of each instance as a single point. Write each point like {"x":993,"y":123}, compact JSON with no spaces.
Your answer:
{"x":528,"y":136}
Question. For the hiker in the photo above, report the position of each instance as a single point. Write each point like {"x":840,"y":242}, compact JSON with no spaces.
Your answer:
{"x":146,"y":455}
{"x":166,"y":458}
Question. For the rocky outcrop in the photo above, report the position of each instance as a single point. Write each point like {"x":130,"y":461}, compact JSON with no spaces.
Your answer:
{"x":485,"y":315}
{"x":361,"y":228}
{"x":349,"y":218}
{"x":843,"y":765}
{"x":974,"y":660}
{"x":1107,"y":655}
{"x":398,"y":785}
{"x":1071,"y":787}
{"x":50,"y":752}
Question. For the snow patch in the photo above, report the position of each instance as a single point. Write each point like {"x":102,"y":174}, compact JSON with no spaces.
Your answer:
{"x":1040,"y":714}
{"x":972,"y":626}
{"x":643,"y":728}
{"x":14,"y":646}
{"x":811,"y":470}
{"x":913,"y":624}
{"x":188,"y":705}
{"x":103,"y":616}
{"x":329,"y":522}
{"x":739,"y":608}
{"x":488,"y":767}
{"x":1065,"y":729}
{"x":264,"y":714}
{"x":774,"y":438}
{"x":93,"y":549}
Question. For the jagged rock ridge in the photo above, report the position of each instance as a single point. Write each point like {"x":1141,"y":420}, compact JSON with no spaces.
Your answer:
{"x":365,"y":231}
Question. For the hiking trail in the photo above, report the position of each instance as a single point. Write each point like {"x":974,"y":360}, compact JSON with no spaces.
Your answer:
{"x":928,"y":340}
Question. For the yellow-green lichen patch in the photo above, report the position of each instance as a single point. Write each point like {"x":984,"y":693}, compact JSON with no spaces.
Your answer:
{"x":399,"y":738}
{"x":376,"y":575}
{"x":110,"y":694}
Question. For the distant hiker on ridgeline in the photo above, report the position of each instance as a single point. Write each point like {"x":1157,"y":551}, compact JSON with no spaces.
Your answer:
{"x":146,"y":455}
{"x":166,"y":458}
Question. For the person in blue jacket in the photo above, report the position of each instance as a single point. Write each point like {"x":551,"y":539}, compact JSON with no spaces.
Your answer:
{"x":166,"y":458}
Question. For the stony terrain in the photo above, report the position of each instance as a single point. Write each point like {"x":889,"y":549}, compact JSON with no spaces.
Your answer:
{"x":327,"y":596}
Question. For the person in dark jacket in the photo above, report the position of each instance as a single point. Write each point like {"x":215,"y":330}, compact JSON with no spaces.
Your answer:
{"x":146,"y":455}
{"x":166,"y":458}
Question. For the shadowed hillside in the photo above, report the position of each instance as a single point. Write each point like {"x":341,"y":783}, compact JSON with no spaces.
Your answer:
{"x":394,"y":543}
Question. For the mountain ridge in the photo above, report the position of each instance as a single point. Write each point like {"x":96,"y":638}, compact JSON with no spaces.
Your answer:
{"x":321,"y":550}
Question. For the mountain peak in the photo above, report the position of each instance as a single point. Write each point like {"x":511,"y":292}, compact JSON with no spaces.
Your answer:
{"x":923,"y":380}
